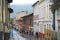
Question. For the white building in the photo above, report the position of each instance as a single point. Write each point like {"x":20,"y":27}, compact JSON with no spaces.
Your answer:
{"x":36,"y":16}
{"x":43,"y":17}
{"x":48,"y":16}
{"x":57,"y":22}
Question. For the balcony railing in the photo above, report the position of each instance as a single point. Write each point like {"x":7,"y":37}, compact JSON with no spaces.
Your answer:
{"x":9,"y":1}
{"x":10,"y":10}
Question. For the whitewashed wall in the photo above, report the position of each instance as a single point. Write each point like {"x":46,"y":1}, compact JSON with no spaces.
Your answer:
{"x":36,"y":17}
{"x":45,"y":16}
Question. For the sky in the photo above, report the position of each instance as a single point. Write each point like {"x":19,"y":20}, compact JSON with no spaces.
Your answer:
{"x":23,"y":2}
{"x":16,"y":8}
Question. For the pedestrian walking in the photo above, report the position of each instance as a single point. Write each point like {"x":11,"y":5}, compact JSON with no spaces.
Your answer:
{"x":11,"y":32}
{"x":36,"y":35}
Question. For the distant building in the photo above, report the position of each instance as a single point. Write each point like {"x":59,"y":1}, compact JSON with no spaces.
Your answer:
{"x":18,"y":19}
{"x":28,"y":23}
{"x":25,"y":22}
{"x":21,"y":14}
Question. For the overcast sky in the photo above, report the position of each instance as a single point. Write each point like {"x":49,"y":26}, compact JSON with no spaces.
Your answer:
{"x":23,"y":2}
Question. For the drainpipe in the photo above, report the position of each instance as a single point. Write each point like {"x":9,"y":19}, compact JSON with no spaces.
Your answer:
{"x":53,"y":11}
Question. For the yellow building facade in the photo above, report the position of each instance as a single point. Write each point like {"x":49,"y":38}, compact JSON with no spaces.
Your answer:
{"x":47,"y":34}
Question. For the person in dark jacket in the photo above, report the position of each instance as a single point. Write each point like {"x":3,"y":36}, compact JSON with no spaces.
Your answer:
{"x":36,"y":34}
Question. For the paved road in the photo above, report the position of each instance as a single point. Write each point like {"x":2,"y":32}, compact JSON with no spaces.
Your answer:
{"x":28,"y":37}
{"x":17,"y":36}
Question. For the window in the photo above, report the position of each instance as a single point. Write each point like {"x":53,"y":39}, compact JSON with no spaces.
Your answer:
{"x":31,"y":22}
{"x":44,"y":25}
{"x":47,"y":25}
{"x":59,"y":27}
{"x":24,"y":21}
{"x":42,"y":11}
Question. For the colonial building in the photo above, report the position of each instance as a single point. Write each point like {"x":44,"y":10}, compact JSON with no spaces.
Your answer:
{"x":18,"y":19}
{"x":56,"y":15}
{"x":38,"y":20}
{"x":51,"y":15}
{"x":25,"y":22}
{"x":36,"y":16}
{"x":28,"y":23}
{"x":5,"y":17}
{"x":43,"y":19}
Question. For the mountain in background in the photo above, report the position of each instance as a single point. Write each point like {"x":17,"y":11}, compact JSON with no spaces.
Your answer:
{"x":19,"y":8}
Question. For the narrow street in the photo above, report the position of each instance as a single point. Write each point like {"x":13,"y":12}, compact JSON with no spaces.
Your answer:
{"x":18,"y":36}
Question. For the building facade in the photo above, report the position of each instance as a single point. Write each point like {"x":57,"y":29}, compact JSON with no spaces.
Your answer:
{"x":56,"y":18}
{"x":36,"y":16}
{"x":25,"y":22}
{"x":18,"y":19}
{"x":43,"y":18}
{"x":57,"y":22}
{"x":48,"y":20}
{"x":5,"y":17}
{"x":54,"y":7}
{"x":28,"y":23}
